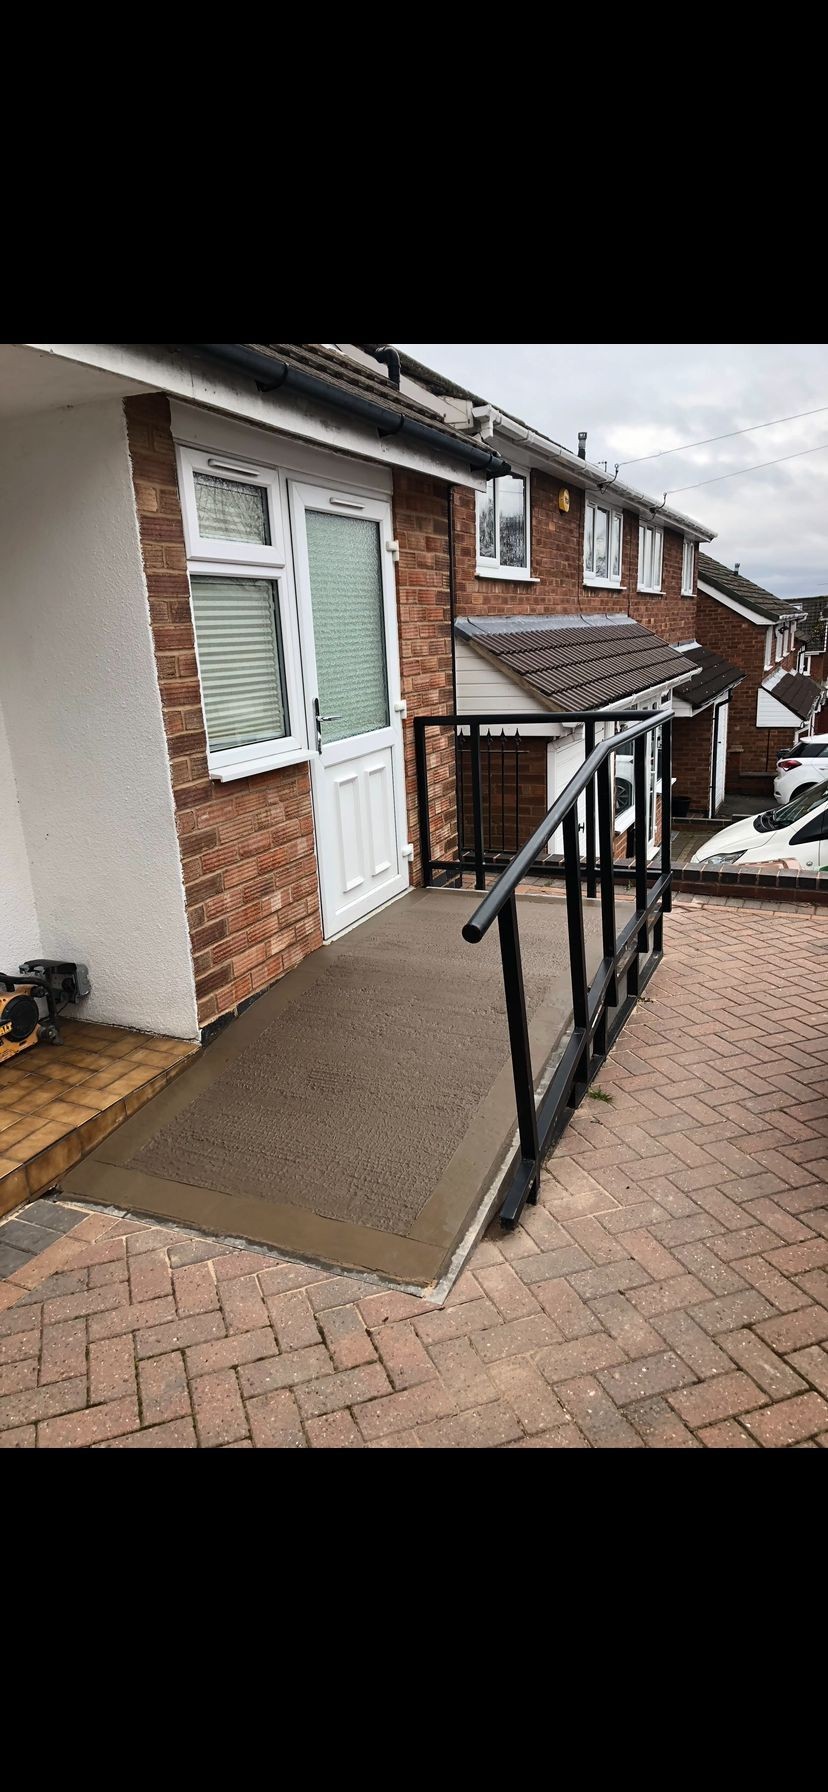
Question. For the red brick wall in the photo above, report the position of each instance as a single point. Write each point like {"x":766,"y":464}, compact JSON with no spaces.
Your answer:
{"x":692,"y":749}
{"x":247,"y":848}
{"x":557,"y":556}
{"x":426,"y":655}
{"x":751,"y":751}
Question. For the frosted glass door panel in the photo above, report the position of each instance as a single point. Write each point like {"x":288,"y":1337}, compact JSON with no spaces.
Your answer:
{"x":348,"y":627}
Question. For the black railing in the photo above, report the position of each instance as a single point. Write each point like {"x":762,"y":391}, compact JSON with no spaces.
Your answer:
{"x":599,"y":1009}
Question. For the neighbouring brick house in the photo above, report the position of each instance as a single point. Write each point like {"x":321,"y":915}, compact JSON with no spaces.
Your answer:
{"x":571,"y":558}
{"x":812,"y":642}
{"x":775,"y":703}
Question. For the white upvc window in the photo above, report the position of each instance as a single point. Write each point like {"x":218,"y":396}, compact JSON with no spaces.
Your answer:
{"x":780,"y":641}
{"x":603,"y":540}
{"x":244,"y":613}
{"x":231,"y":509}
{"x":503,"y":545}
{"x":768,"y":649}
{"x":688,"y":568}
{"x":650,"y":551}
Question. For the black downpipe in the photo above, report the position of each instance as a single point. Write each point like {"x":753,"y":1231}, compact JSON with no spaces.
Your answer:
{"x":389,"y":358}
{"x":270,"y":374}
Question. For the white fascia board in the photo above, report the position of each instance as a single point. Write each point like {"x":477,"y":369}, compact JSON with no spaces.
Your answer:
{"x":741,"y":610}
{"x":160,"y":369}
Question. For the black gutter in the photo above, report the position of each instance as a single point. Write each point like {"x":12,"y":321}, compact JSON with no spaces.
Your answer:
{"x":271,"y":374}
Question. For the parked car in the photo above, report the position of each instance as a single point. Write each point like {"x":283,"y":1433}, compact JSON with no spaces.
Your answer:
{"x":796,"y":771}
{"x":796,"y":832}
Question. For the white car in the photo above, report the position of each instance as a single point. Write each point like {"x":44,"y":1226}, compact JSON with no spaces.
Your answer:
{"x":796,"y":833}
{"x":800,"y":768}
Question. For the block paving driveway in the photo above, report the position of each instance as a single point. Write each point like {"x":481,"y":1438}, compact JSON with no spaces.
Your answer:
{"x":670,"y":1289}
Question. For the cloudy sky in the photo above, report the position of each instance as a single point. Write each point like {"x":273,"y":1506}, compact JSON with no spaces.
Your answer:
{"x":634,"y":399}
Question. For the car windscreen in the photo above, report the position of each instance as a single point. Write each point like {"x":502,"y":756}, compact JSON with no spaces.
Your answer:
{"x":792,"y":812}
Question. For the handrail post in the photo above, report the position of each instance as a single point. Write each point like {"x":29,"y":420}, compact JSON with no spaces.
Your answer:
{"x":589,"y":797}
{"x":477,"y":806}
{"x":524,"y":1081}
{"x":422,"y":796}
{"x":577,"y":952}
{"x":667,"y":811}
{"x":641,"y":745}
{"x":608,"y":936}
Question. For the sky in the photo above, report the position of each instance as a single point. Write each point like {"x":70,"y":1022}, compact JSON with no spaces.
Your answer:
{"x":636,"y":398}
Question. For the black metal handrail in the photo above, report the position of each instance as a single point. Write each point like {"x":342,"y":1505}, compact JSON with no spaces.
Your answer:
{"x":627,"y":955}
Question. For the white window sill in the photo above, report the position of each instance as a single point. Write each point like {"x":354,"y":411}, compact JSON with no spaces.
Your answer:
{"x":518,"y":573}
{"x":650,"y":590}
{"x":604,"y":584}
{"x":687,"y":594}
{"x":250,"y":768}
{"x":624,"y":821}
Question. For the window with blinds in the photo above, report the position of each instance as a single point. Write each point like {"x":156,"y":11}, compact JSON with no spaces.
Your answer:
{"x":240,"y":660}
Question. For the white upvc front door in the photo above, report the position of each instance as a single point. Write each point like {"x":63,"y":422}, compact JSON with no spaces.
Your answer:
{"x":351,"y":676}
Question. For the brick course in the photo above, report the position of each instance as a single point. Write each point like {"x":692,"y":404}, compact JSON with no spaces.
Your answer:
{"x":247,"y":848}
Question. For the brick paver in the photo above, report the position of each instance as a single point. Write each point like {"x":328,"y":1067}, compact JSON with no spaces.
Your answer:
{"x":669,"y":1290}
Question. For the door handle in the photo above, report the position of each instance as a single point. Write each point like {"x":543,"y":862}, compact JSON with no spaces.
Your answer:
{"x":319,"y":719}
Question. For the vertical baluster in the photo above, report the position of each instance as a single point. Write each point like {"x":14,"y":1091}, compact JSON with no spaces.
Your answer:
{"x":460,"y":782}
{"x":667,"y":808}
{"x":477,"y":807}
{"x":589,"y":810}
{"x":577,"y":953}
{"x":517,"y":789}
{"x":608,"y":935}
{"x":422,"y":797}
{"x":524,"y":1082}
{"x":641,"y":746}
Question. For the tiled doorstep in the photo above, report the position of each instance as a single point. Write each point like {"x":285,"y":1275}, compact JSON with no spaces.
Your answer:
{"x":43,"y":1170}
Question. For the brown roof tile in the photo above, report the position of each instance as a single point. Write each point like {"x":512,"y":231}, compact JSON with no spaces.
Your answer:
{"x":574,"y":662}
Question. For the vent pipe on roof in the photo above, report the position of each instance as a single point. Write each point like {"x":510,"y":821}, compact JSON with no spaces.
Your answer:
{"x":582,"y":442}
{"x":737,"y":565}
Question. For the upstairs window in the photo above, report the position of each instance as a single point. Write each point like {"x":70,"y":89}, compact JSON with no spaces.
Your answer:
{"x":768,"y":649}
{"x":503,"y":528}
{"x":780,"y":641}
{"x":650,"y":548}
{"x":603,"y":529}
{"x":688,"y":568}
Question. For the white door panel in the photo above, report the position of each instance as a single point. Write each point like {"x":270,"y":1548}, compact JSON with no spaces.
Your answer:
{"x":350,"y":663}
{"x":720,"y":765}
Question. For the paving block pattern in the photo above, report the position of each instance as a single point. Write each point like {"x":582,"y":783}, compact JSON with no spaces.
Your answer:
{"x":669,"y":1290}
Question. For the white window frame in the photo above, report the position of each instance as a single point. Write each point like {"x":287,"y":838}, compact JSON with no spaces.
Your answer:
{"x":780,"y":639}
{"x":645,"y":529}
{"x":230,"y":466}
{"x":597,"y":501}
{"x":491,"y":568}
{"x":688,"y":553}
{"x":768,"y":649}
{"x":249,"y":560}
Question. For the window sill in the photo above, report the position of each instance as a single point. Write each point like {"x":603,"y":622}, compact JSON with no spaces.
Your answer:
{"x":251,"y":768}
{"x":604,"y":584}
{"x":624,"y":820}
{"x":650,"y":590}
{"x":516,"y":573}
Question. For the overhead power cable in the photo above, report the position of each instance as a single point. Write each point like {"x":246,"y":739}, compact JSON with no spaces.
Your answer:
{"x":728,"y":436}
{"x":738,"y":471}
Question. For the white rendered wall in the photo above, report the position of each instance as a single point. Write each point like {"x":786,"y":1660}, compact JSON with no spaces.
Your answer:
{"x":19,"y":930}
{"x":83,"y":718}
